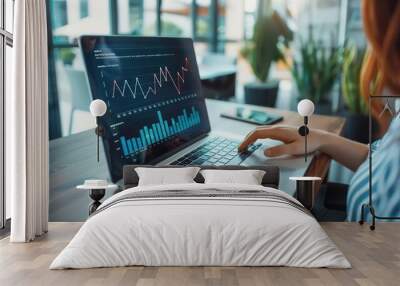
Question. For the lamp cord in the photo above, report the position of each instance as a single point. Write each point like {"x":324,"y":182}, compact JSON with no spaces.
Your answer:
{"x":98,"y":143}
{"x":305,"y":147}
{"x":305,"y":137}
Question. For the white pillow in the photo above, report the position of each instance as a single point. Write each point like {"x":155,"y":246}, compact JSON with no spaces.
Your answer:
{"x":248,"y":177}
{"x":166,"y":176}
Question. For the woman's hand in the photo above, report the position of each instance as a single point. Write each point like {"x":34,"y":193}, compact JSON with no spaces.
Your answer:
{"x":293,"y":141}
{"x":349,"y":153}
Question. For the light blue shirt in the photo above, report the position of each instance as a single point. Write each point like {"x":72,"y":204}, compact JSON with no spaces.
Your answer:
{"x":385,"y":178}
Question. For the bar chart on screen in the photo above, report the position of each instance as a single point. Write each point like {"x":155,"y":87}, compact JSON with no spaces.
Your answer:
{"x":159,"y":131}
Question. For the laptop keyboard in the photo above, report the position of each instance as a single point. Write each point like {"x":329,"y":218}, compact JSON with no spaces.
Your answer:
{"x":216,"y":151}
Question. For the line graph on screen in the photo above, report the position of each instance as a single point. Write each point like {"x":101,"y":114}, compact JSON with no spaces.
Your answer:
{"x":160,"y":78}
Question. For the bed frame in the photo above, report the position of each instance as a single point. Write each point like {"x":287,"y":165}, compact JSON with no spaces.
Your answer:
{"x":270,"y":179}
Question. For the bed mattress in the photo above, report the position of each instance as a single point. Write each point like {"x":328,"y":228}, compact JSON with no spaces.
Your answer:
{"x":201,"y":225}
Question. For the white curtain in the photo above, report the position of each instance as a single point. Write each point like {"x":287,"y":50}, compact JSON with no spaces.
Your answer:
{"x":27,"y":124}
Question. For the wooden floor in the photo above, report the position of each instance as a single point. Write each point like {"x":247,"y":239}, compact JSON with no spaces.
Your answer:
{"x":375,"y":257}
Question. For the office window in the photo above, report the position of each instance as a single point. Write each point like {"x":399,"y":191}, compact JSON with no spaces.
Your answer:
{"x":150,"y":17}
{"x":215,"y":25}
{"x":135,"y":14}
{"x":59,"y":12}
{"x":176,"y":18}
{"x":84,"y":8}
{"x":67,"y":24}
{"x":137,"y":17}
{"x":221,"y":12}
{"x":69,"y":95}
{"x":230,"y":25}
{"x":250,"y":9}
{"x":202,"y":21}
{"x":6,"y":42}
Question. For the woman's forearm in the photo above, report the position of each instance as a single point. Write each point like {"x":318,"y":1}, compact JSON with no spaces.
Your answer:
{"x":347,"y":152}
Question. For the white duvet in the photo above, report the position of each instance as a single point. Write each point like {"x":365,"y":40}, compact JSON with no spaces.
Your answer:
{"x":200,"y":231}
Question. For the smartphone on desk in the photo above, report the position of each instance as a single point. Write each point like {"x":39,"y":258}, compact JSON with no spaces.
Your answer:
{"x":252,"y":116}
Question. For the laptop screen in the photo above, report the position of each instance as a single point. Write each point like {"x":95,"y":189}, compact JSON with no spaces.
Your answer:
{"x":152,"y":90}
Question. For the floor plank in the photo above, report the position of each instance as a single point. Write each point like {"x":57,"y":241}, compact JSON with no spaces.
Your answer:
{"x":375,"y":257}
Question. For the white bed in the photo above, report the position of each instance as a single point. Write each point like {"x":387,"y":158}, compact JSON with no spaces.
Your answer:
{"x":268,"y":228}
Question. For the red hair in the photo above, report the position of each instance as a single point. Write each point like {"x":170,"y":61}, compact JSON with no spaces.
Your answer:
{"x":381,"y":67}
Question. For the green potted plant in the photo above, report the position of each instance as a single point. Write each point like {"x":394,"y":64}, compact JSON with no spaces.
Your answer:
{"x":356,"y":111}
{"x":315,"y":71}
{"x":67,"y":56}
{"x":261,"y":52}
{"x":352,"y":63}
{"x":171,"y":29}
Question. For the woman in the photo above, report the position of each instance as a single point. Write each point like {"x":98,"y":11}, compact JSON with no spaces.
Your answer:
{"x":381,"y":72}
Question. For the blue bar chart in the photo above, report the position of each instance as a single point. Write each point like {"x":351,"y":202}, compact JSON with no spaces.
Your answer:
{"x":158,"y":131}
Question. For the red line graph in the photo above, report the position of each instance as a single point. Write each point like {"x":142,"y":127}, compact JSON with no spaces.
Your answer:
{"x":159,"y":78}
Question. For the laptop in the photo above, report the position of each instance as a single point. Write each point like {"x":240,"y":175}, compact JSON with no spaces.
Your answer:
{"x":156,"y":113}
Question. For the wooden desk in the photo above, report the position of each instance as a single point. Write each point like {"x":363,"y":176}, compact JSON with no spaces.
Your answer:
{"x":319,"y":165}
{"x":73,"y":159}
